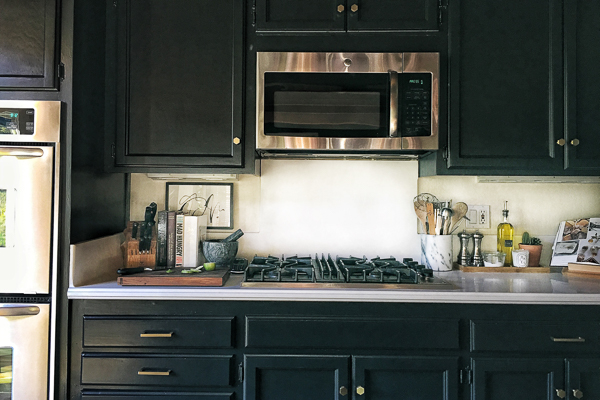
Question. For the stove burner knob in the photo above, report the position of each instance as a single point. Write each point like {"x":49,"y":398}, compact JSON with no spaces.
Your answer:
{"x":343,"y":391}
{"x":360,"y":390}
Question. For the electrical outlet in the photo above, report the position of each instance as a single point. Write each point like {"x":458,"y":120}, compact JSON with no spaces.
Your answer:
{"x":479,"y":217}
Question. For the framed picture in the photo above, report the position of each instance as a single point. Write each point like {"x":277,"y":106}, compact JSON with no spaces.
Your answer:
{"x":212,"y":199}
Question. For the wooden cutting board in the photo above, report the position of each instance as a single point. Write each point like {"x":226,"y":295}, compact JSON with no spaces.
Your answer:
{"x":176,"y":278}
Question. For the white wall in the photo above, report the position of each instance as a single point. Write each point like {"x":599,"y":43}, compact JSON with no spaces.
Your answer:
{"x":366,"y":207}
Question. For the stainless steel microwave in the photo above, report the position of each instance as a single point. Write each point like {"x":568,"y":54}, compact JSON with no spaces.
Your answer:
{"x":350,"y":103}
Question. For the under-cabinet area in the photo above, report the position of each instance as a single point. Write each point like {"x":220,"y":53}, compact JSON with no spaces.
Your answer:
{"x":327,"y":350}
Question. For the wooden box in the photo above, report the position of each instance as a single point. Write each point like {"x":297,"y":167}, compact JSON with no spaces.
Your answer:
{"x":132,"y":257}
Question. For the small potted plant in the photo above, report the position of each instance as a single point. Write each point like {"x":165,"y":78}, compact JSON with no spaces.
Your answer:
{"x":534,"y":246}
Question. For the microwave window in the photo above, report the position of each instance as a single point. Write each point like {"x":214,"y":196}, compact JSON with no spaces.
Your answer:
{"x":336,"y":105}
{"x":326,"y":110}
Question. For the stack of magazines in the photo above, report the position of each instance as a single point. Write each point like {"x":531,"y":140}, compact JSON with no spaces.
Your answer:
{"x":577,"y":245}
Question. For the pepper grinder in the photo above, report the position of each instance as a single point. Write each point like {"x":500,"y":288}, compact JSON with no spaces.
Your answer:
{"x":477,"y":256}
{"x":464,"y":257}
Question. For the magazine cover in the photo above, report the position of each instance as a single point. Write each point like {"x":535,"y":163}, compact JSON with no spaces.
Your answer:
{"x":577,"y":241}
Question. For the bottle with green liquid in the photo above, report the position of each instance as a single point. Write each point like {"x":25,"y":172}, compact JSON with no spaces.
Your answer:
{"x":505,"y":236}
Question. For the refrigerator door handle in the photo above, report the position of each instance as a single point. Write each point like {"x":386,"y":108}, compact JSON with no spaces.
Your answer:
{"x":19,"y":311}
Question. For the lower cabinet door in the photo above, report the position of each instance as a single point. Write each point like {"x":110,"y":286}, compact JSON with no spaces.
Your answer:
{"x":415,"y":378}
{"x":517,"y":379}
{"x":292,"y":377}
{"x":583,"y":380}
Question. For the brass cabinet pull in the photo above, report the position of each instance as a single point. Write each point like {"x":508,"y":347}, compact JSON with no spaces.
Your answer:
{"x":157,"y":334}
{"x":354,"y":8}
{"x":155,"y":373}
{"x":578,"y":394}
{"x":561,"y":393}
{"x":236,"y":140}
{"x":575,"y":142}
{"x":343,"y":391}
{"x":360,"y":390}
{"x":567,"y":340}
{"x":340,"y":9}
{"x":561,"y":142}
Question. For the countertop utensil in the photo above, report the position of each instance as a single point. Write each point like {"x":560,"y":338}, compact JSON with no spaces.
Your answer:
{"x":430,"y":218}
{"x":422,"y":216}
{"x":234,"y":236}
{"x":459,"y":211}
{"x":446,"y":218}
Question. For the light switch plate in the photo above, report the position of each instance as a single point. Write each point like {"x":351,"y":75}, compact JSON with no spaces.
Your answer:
{"x":479,"y":217}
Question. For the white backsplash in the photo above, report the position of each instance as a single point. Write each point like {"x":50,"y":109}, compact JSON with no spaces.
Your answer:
{"x":364,"y":207}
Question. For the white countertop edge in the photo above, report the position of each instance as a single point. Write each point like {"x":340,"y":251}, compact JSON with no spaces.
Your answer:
{"x":398,"y":296}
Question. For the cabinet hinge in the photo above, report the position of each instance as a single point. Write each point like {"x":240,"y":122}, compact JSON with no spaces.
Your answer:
{"x":61,"y":71}
{"x":442,"y":5}
{"x":254,"y":13}
{"x":445,"y":153}
{"x":113,"y":151}
{"x":241,"y":372}
{"x":466,"y":376}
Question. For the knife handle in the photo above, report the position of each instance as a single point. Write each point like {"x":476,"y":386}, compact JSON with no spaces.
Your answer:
{"x":129,"y":271}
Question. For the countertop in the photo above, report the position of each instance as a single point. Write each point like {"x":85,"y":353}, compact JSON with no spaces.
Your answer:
{"x":472,"y":287}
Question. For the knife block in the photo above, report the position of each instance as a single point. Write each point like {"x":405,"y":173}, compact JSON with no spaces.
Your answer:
{"x":132,"y":257}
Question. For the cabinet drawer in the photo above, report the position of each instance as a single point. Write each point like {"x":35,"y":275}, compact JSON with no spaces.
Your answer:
{"x":351,"y":333}
{"x":155,"y":370}
{"x":112,"y":331}
{"x":158,"y":396}
{"x":533,"y":336}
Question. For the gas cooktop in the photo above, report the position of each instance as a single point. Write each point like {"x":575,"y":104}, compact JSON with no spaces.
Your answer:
{"x":340,"y":272}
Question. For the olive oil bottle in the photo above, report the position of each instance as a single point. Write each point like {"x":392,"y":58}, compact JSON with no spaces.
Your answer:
{"x":505,"y":236}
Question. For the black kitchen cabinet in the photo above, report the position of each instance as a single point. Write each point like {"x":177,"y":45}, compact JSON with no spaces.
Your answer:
{"x":516,"y":378}
{"x":523,"y":94}
{"x":582,"y":378}
{"x":581,"y":140}
{"x":29,"y":45}
{"x":176,"y":70}
{"x":505,"y":85}
{"x":262,"y":350}
{"x":295,"y":377}
{"x":418,"y":378}
{"x":346,"y":15}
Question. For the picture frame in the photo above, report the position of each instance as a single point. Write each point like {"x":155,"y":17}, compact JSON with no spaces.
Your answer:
{"x":193,"y":198}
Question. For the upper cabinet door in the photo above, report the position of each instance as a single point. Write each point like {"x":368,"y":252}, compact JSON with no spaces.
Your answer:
{"x":28,"y":45}
{"x":306,"y":15}
{"x":506,"y":96}
{"x":392,"y":15}
{"x":179,"y":81}
{"x":582,"y":86}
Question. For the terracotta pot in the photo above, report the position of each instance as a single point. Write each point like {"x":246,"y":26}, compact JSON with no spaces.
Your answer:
{"x":535,"y":251}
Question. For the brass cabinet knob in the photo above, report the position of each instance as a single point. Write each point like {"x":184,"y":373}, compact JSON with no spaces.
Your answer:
{"x":236,"y":140}
{"x":575,"y":142}
{"x":343,"y":391}
{"x":354,"y":8}
{"x":340,"y":8}
{"x":561,"y":393}
{"x":360,"y":390}
{"x":578,"y":394}
{"x":560,"y":142}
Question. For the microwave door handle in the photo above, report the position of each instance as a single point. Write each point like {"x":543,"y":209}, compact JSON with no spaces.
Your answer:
{"x":19,"y":311}
{"x":21,"y":152}
{"x":393,"y":103}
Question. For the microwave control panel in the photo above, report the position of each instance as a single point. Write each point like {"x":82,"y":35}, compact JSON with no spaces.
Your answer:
{"x":17,"y":121}
{"x":415,"y":98}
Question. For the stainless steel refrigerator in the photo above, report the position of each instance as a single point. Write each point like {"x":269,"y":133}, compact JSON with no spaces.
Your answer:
{"x":29,"y":181}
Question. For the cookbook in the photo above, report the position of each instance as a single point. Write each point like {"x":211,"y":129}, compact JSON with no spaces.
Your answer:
{"x":577,"y":241}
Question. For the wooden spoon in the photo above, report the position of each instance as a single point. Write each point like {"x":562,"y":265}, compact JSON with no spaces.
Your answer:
{"x":431,"y":218}
{"x":422,"y":215}
{"x":460,"y":210}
